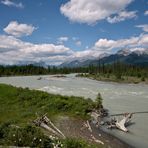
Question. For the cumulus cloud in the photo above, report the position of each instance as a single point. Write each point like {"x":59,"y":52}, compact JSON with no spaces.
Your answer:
{"x":19,"y":30}
{"x":8,"y":43}
{"x":62,"y":39}
{"x":143,"y":40}
{"x":14,"y":49}
{"x":143,"y":27}
{"x":91,"y":11}
{"x":139,"y":42}
{"x":10,"y":3}
{"x":111,"y":44}
{"x":121,"y":16}
{"x":146,"y":12}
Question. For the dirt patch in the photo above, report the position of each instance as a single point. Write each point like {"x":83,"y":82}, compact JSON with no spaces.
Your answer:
{"x":78,"y":128}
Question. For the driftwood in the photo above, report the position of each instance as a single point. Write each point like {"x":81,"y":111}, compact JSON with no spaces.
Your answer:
{"x":97,"y":140}
{"x":46,"y":123}
{"x":45,"y":126}
{"x":93,"y":138}
{"x":89,"y":127}
{"x":57,"y":129}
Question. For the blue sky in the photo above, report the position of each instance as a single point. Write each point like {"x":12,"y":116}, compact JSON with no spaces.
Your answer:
{"x":54,"y":31}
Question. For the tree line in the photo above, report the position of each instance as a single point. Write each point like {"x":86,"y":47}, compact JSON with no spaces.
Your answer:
{"x":117,"y":69}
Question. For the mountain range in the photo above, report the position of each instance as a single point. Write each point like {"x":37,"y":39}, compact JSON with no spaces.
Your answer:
{"x":134,"y":57}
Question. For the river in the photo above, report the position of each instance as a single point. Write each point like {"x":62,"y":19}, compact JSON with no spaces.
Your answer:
{"x":118,"y":98}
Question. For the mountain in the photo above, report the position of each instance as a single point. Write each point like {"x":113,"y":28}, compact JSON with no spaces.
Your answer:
{"x":82,"y":62}
{"x":76,"y":63}
{"x":134,"y":57}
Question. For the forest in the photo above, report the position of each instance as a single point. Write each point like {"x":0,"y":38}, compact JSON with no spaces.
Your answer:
{"x":116,"y":69}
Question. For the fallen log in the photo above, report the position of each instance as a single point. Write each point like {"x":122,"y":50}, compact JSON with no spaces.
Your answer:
{"x":57,"y":129}
{"x":46,"y":123}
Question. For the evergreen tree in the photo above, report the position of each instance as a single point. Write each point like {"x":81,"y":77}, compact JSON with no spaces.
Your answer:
{"x":98,"y":101}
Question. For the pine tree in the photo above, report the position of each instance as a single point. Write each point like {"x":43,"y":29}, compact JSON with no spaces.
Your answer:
{"x":98,"y":101}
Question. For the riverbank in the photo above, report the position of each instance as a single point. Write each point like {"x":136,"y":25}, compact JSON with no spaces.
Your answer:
{"x":106,"y":78}
{"x":20,"y":106}
{"x":75,"y":128}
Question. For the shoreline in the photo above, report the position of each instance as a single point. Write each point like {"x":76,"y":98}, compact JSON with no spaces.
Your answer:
{"x":77,"y":128}
{"x":115,"y":141}
{"x":111,"y":138}
{"x":113,"y":81}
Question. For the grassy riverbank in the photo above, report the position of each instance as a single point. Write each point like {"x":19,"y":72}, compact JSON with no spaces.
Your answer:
{"x":18,"y":110}
{"x":21,"y":105}
{"x":113,"y":78}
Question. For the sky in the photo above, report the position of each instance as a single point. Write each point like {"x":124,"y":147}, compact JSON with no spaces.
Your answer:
{"x":55,"y":31}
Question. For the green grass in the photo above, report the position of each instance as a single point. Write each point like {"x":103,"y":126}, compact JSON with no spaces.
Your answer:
{"x":21,"y":105}
{"x":78,"y":143}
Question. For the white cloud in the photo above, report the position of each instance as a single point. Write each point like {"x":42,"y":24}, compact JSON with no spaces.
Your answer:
{"x":146,"y":12}
{"x":85,"y":53}
{"x":143,"y":40}
{"x":121,"y":16}
{"x":8,"y":43}
{"x":62,"y":39}
{"x":14,"y":50}
{"x":111,"y":44}
{"x":18,"y":30}
{"x":144,"y":27}
{"x":88,"y":54}
{"x":140,"y":42}
{"x":78,"y":43}
{"x":11,"y":3}
{"x":91,"y":11}
{"x":105,"y":44}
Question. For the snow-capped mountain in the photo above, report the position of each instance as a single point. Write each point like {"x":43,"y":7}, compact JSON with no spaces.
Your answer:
{"x":81,"y":61}
{"x":136,"y":56}
{"x":138,"y":51}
